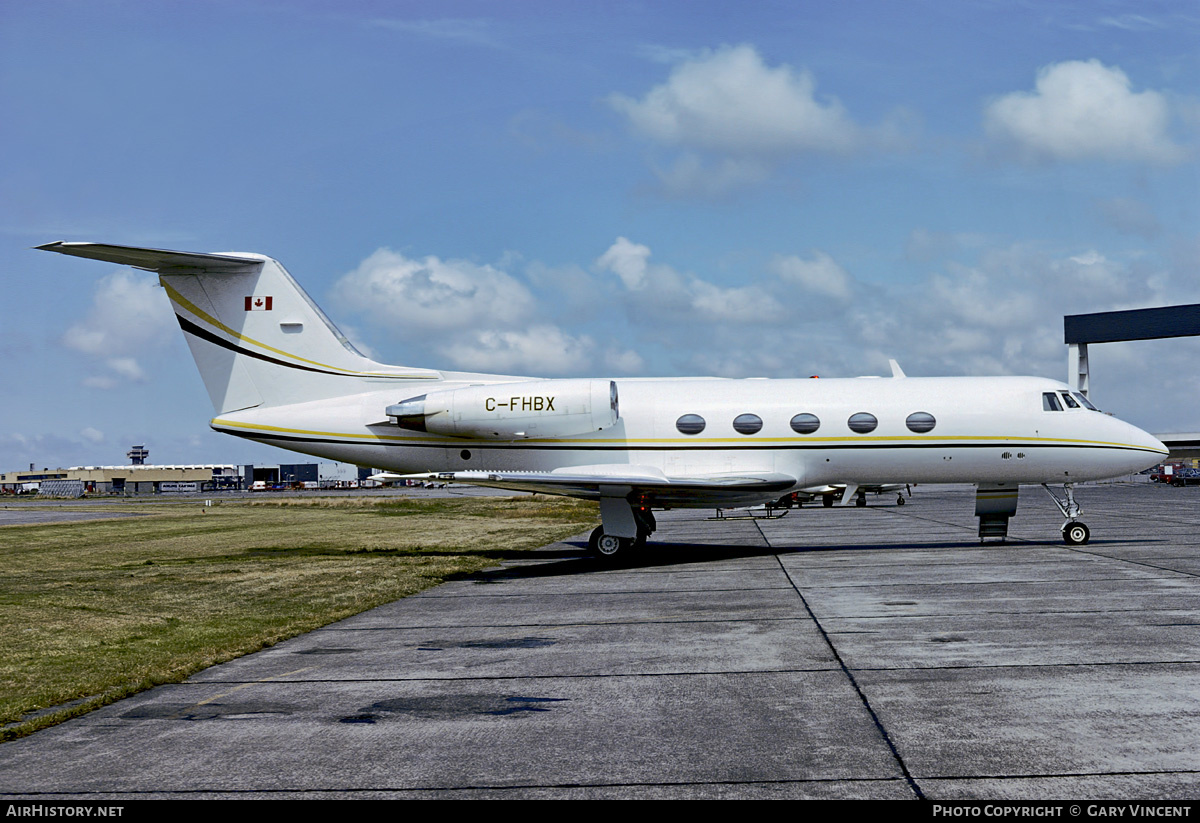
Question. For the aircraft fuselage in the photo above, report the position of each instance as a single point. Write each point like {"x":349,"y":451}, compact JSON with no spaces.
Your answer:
{"x":984,"y":429}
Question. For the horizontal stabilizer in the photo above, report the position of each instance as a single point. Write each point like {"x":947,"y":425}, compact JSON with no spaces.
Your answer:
{"x":154,"y":259}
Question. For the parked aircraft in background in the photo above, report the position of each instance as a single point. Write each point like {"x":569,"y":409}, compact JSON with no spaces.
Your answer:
{"x":831,"y":493}
{"x":279,"y":372}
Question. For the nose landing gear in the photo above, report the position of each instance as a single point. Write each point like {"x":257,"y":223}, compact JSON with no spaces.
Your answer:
{"x":1074,"y":533}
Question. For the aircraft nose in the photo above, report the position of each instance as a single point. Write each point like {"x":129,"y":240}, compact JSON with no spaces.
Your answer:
{"x":1155,"y":449}
{"x":1158,"y":444}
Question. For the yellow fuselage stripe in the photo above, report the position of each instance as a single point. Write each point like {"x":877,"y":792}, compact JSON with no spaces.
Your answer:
{"x":451,"y":441}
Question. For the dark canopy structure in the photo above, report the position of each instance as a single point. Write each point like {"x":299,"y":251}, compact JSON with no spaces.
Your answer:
{"x":1113,"y":326}
{"x":1137,"y":324}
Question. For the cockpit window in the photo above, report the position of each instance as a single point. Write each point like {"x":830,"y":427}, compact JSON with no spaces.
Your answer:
{"x":1084,"y":401}
{"x":1069,"y":400}
{"x":1050,"y":402}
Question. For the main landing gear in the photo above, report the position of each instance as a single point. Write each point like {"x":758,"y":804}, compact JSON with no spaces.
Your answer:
{"x":610,"y":547}
{"x":1074,"y":533}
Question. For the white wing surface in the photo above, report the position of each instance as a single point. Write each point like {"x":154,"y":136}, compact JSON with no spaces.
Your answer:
{"x":642,"y":484}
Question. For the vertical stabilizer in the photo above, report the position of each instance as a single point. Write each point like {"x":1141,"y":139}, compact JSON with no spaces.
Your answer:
{"x":257,"y":338}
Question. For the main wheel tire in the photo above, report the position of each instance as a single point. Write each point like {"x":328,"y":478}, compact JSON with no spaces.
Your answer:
{"x":608,"y":546}
{"x":860,"y":501}
{"x":1076,"y":534}
{"x":899,"y":500}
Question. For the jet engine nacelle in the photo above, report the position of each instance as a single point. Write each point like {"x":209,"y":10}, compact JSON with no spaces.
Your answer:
{"x":512,"y":411}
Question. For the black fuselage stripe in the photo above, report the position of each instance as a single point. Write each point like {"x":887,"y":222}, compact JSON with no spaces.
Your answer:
{"x":191,"y":328}
{"x":623,"y":447}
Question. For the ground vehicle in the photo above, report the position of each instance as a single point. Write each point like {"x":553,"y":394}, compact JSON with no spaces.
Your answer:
{"x":1168,"y":472}
{"x":1185,"y":477}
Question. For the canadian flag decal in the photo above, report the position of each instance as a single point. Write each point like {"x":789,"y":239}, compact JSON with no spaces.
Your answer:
{"x":258,"y":303}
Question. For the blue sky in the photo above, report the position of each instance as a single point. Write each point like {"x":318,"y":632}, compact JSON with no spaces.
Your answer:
{"x":618,"y":188}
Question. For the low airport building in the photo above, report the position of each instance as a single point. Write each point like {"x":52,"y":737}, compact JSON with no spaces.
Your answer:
{"x":140,"y":479}
{"x":174,"y":479}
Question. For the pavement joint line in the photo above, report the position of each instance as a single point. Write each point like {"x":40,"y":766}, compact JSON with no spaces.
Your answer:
{"x":1068,"y":775}
{"x":488,"y":678}
{"x":923,"y":615}
{"x":966,"y":583}
{"x":1029,"y":666}
{"x":714,"y":673}
{"x":1131,"y":562}
{"x":627,"y":591}
{"x":458,"y":626}
{"x":482,"y":787}
{"x":912,"y":783}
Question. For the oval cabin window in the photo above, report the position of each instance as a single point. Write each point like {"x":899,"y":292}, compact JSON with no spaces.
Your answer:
{"x":690,"y":424}
{"x":862,"y":422}
{"x":920,"y":422}
{"x":805,"y":423}
{"x":747,"y":423}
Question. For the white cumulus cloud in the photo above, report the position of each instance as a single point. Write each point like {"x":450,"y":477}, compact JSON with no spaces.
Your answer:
{"x":659,"y":291}
{"x":730,"y":101}
{"x":483,"y":318}
{"x":539,"y":350}
{"x":731,"y":120}
{"x":734,"y":305}
{"x":1084,"y":110}
{"x":128,"y":316}
{"x":431,"y":294}
{"x":820,"y":275}
{"x":628,"y":261}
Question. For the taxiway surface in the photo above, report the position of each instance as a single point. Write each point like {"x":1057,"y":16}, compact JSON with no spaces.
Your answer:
{"x":869,"y":653}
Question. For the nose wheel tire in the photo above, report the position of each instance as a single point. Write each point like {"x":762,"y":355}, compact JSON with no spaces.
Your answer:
{"x":1076,"y":534}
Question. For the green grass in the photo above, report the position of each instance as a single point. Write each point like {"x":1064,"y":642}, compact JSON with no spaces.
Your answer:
{"x":96,"y":611}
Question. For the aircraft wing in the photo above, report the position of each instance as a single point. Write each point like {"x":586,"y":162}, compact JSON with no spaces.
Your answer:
{"x":644,"y":485}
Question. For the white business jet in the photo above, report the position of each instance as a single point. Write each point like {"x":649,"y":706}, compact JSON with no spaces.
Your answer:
{"x":279,"y":372}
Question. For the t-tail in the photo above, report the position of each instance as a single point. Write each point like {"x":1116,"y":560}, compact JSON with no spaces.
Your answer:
{"x":257,"y":338}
